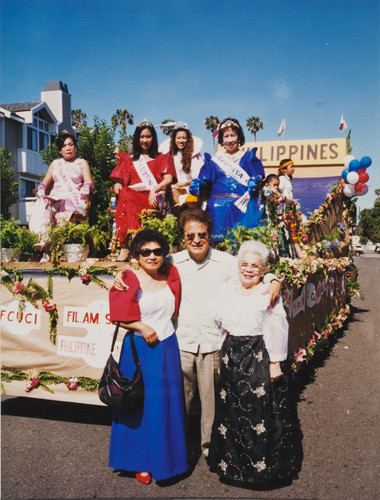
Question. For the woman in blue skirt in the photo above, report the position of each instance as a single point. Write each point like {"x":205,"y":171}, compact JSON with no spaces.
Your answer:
{"x":150,"y":441}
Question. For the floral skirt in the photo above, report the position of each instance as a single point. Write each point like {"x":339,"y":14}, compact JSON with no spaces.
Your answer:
{"x":256,"y":437}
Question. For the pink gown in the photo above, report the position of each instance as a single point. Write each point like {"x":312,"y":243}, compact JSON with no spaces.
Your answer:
{"x":64,"y":199}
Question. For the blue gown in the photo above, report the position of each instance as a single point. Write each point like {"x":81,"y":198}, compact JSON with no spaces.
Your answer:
{"x":225,"y":190}
{"x":153,"y":438}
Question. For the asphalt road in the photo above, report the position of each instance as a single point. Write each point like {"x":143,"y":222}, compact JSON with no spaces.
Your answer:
{"x":60,"y":450}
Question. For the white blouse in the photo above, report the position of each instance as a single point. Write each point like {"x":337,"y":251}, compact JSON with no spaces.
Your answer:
{"x":156,"y":309}
{"x":242,"y":315}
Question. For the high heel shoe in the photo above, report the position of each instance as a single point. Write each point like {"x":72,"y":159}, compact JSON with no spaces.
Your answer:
{"x":144,"y":477}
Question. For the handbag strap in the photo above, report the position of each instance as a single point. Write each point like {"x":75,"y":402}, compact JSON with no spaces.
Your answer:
{"x":133,"y":346}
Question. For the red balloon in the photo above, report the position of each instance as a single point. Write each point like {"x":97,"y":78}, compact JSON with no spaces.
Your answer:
{"x":363,"y":177}
{"x":358,"y":186}
{"x":361,"y":170}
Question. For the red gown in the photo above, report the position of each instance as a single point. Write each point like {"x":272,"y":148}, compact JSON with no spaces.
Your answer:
{"x":130,"y":202}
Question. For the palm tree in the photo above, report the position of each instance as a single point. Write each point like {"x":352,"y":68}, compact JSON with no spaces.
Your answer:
{"x":122,"y":118}
{"x":78,"y":119}
{"x":254,"y":124}
{"x":167,"y":130}
{"x":212,"y":123}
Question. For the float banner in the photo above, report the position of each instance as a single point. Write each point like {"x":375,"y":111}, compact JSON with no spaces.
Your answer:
{"x":310,"y":152}
{"x":84,"y":330}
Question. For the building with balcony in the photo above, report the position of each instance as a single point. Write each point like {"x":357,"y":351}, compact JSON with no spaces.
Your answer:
{"x":26,"y":128}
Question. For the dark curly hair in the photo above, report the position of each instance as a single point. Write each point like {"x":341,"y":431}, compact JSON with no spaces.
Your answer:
{"x":147,"y":236}
{"x":194,"y":214}
{"x":137,"y":150}
{"x":235,"y":126}
{"x":60,"y":140}
{"x":187,"y":150}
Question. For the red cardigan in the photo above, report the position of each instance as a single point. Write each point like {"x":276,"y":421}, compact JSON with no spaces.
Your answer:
{"x":124,"y":305}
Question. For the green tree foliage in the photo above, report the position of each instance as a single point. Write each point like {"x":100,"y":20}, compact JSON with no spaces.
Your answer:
{"x":369,"y":225}
{"x":78,"y":119}
{"x":212,"y":123}
{"x":97,"y":146}
{"x":122,"y":118}
{"x":254,"y":124}
{"x":167,"y":130}
{"x":9,"y":184}
{"x":49,"y":154}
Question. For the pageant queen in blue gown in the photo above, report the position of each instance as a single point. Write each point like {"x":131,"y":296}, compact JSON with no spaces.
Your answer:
{"x":229,"y":181}
{"x":150,"y":441}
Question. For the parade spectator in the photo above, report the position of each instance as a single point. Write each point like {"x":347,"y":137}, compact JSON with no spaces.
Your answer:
{"x":203,"y":271}
{"x":185,"y":152}
{"x":139,"y":182}
{"x":229,"y":181}
{"x":255,"y":433}
{"x":150,"y":440}
{"x":71,"y":187}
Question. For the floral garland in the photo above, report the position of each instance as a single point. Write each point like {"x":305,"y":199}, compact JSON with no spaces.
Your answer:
{"x":32,"y":292}
{"x":34,"y":379}
{"x":319,"y":213}
{"x":319,"y":339}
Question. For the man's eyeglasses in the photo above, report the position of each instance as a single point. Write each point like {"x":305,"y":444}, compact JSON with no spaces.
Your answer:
{"x":147,"y":251}
{"x":191,"y":236}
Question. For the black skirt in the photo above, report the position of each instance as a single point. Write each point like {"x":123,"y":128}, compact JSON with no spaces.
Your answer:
{"x":256,"y":437}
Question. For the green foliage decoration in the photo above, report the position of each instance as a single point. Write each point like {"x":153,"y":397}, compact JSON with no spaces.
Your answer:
{"x":15,"y":236}
{"x":9,"y":184}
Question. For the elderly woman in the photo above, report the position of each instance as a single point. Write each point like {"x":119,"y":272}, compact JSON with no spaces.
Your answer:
{"x":139,"y":182}
{"x":150,"y":441}
{"x":72,"y":185}
{"x":255,"y":431}
{"x":185,"y":152}
{"x":229,"y":180}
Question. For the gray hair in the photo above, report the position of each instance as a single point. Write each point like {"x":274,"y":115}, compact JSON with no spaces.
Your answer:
{"x":253,"y":246}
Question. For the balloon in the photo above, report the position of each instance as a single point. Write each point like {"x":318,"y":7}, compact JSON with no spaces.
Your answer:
{"x":352,"y":177}
{"x":364,"y":189}
{"x":347,"y":160}
{"x":363,"y":177}
{"x":365,"y":162}
{"x":354,"y":165}
{"x":344,"y":173}
{"x":349,"y":190}
{"x":358,"y":186}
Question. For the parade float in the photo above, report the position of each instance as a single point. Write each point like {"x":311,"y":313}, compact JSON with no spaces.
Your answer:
{"x":56,"y":330}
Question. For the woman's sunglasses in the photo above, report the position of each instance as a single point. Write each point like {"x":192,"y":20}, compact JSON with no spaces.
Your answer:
{"x":147,"y":251}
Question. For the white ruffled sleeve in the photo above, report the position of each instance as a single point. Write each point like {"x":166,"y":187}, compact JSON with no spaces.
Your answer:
{"x":275,"y":332}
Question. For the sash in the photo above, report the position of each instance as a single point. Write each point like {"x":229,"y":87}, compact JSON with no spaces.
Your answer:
{"x":147,"y":179}
{"x":72,"y":188}
{"x":235,"y":171}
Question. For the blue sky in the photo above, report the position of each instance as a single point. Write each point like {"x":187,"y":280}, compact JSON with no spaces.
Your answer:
{"x":306,"y":61}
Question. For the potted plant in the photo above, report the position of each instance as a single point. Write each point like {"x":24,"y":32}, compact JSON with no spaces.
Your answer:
{"x":74,"y":241}
{"x":16,"y":241}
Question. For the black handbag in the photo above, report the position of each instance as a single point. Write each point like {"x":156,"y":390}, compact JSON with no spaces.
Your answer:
{"x":117,"y":391}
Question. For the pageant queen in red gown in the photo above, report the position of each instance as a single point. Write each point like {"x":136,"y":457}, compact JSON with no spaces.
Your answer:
{"x":139,"y":181}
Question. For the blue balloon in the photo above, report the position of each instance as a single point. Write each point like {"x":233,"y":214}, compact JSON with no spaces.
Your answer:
{"x":345,"y":172}
{"x":354,"y":166}
{"x":365,"y":162}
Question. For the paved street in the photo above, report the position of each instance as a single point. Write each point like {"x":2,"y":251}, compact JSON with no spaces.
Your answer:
{"x":60,"y":450}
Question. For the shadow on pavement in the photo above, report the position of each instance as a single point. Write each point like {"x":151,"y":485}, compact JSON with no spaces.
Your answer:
{"x":56,"y":410}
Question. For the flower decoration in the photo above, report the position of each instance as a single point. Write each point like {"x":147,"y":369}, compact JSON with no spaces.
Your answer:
{"x":18,"y":287}
{"x":33,"y":381}
{"x":49,"y":305}
{"x":72,"y":384}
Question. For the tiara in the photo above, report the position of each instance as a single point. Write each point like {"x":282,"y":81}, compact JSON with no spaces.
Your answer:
{"x":229,"y":123}
{"x":181,"y":125}
{"x":145,"y":123}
